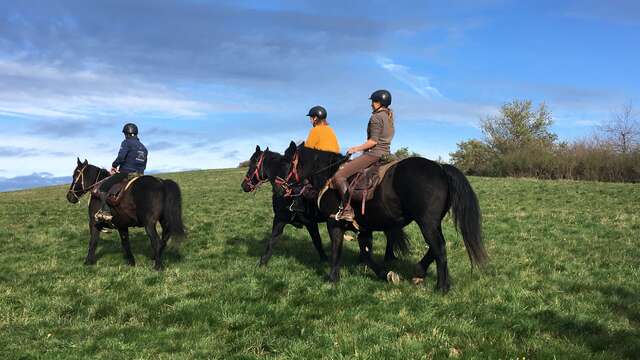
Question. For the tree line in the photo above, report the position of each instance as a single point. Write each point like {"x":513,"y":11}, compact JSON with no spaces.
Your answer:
{"x":518,"y":142}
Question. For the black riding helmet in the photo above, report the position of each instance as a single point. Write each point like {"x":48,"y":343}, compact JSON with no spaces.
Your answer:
{"x":130,"y":129}
{"x":318,"y":111}
{"x":381,"y":96}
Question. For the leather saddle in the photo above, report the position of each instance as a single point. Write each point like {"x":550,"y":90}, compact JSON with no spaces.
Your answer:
{"x":363,"y":185}
{"x":117,"y":191}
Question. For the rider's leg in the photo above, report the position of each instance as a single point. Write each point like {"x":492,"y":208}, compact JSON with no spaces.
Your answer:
{"x":104,"y":214}
{"x":340,"y":180}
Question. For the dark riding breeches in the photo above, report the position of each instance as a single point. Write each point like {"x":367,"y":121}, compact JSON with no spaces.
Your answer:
{"x":352,"y":168}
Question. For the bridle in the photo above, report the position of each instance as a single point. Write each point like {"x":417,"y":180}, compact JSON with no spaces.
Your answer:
{"x":286,"y":183}
{"x":293,"y":174}
{"x":256,"y":174}
{"x":80,"y":178}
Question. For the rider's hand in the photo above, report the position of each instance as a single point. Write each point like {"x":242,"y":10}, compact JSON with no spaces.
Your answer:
{"x":352,"y":150}
{"x":113,"y":170}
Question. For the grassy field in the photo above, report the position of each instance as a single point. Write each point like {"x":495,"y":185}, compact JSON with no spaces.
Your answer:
{"x":564,"y":282}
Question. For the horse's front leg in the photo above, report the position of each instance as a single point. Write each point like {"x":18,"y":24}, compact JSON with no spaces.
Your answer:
{"x":316,"y":239}
{"x":337,"y":236}
{"x":126,"y":246}
{"x":93,"y":239}
{"x":276,"y":232}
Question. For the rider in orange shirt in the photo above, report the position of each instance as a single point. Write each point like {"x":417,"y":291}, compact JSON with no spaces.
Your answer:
{"x":321,"y":136}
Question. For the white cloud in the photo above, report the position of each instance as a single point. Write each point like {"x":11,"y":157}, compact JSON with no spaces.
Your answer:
{"x":419,"y":84}
{"x":37,"y":90}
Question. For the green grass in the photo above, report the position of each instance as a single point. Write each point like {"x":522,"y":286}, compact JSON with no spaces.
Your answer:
{"x":564,"y":282}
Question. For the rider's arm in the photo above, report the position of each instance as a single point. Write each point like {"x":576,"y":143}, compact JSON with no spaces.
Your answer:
{"x":375,"y":130}
{"x":363,"y":147}
{"x":122,"y":154}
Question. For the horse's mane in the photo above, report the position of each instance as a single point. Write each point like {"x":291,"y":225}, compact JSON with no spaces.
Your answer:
{"x":318,"y":165}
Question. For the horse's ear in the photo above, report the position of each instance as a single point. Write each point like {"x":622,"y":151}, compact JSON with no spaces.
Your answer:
{"x":267,"y":149}
{"x":288,"y":154}
{"x":79,"y":163}
{"x":257,"y":148}
{"x":86,"y":162}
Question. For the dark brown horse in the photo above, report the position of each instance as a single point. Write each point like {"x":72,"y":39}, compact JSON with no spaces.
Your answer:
{"x":270,"y":167}
{"x":416,"y":189}
{"x":147,"y":202}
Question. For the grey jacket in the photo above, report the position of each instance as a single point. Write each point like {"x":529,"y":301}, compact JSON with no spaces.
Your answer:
{"x":381,"y":130}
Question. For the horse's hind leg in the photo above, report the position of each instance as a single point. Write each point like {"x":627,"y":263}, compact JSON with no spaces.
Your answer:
{"x":423,"y":265}
{"x":126,"y":246}
{"x":365,"y":241}
{"x":156,"y":246}
{"x":388,"y":254}
{"x":432,"y":233}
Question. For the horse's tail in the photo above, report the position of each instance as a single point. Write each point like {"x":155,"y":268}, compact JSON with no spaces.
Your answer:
{"x":172,"y":211}
{"x":398,"y":240}
{"x":466,"y":214}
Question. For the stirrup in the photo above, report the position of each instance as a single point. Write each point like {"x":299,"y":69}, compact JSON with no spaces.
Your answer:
{"x":340,"y":216}
{"x":103,"y":216}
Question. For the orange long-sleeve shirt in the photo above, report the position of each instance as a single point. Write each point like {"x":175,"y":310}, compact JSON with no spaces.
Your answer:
{"x":322,"y":137}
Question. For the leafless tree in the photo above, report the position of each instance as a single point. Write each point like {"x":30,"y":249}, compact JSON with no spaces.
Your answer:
{"x":623,"y":130}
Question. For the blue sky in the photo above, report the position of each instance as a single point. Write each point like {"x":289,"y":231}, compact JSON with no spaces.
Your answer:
{"x":207,"y":81}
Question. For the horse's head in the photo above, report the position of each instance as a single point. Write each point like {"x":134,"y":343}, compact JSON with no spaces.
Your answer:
{"x":85,"y":176}
{"x":315,"y":166}
{"x":256,"y":174}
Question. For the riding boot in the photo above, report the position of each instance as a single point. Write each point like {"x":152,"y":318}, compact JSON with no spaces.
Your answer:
{"x":346,"y":211}
{"x":104,"y":214}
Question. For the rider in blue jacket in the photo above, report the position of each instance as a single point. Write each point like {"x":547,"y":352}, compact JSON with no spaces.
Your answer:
{"x":132,"y":159}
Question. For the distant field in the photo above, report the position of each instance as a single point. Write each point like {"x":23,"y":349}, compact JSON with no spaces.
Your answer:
{"x":564,"y":282}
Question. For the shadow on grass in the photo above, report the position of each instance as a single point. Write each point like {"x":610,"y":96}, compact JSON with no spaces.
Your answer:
{"x":622,"y":343}
{"x":303,"y":252}
{"x":109,"y":244}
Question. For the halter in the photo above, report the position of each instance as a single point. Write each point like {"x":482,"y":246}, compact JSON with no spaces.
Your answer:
{"x":80,"y":178}
{"x":256,"y":174}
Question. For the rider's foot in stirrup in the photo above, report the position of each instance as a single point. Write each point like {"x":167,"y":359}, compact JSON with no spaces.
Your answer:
{"x":345,"y":214}
{"x":103,"y":216}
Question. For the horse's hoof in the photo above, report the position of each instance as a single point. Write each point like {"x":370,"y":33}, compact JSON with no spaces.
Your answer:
{"x":158,"y":268}
{"x":443,"y":288}
{"x":334,"y":278}
{"x":90,"y":262}
{"x":393,"y":278}
{"x":263,"y":262}
{"x":131,"y":263}
{"x":417,"y":280}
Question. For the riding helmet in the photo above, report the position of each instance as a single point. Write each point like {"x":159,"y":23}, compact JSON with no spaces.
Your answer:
{"x":318,"y":111}
{"x":130,"y":129}
{"x":381,"y":96}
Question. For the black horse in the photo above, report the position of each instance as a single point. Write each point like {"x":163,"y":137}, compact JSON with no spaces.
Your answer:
{"x":415,"y":189}
{"x":148,"y":201}
{"x":268,"y":166}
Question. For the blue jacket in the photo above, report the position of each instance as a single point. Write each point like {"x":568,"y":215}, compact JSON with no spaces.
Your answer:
{"x":132,"y":156}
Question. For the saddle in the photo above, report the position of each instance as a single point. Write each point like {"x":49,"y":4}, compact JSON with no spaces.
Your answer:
{"x":116,"y":191}
{"x":363,"y":185}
